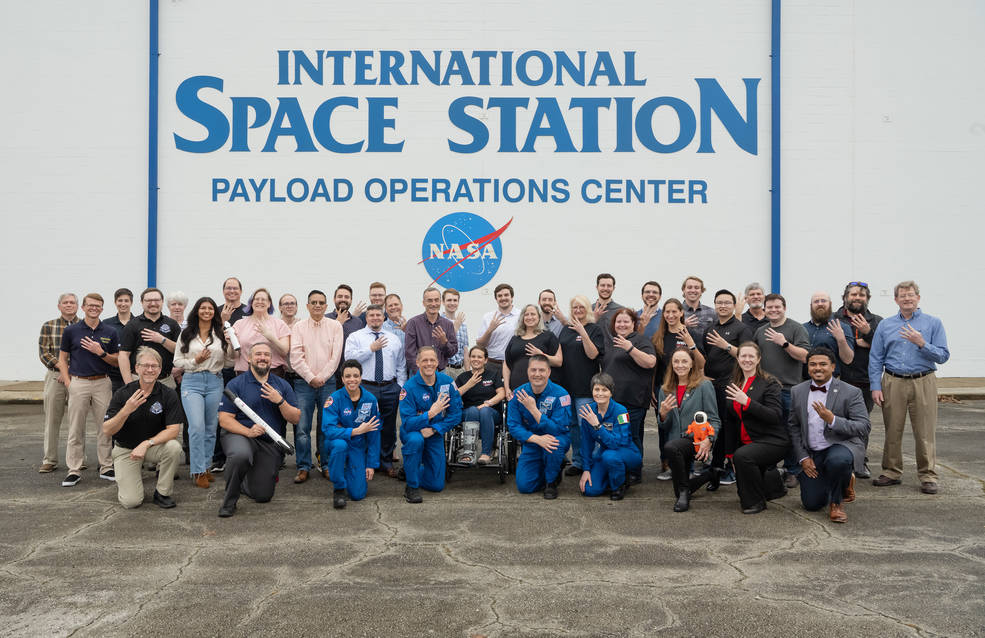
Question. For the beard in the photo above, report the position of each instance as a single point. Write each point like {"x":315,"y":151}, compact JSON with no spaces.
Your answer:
{"x":856,"y":307}
{"x":342,"y":306}
{"x":821,"y":317}
{"x":259,"y":369}
{"x":755,"y":305}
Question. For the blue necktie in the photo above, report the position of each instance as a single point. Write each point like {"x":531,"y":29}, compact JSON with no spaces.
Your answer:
{"x":378,"y":376}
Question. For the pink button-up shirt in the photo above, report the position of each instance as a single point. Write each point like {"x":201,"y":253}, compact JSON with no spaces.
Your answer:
{"x":248,"y":333}
{"x":316,"y":348}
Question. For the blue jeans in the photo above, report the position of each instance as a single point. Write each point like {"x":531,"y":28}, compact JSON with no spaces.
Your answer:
{"x":200,"y":395}
{"x":790,"y":463}
{"x":310,"y":401}
{"x":575,"y":430}
{"x":488,"y":419}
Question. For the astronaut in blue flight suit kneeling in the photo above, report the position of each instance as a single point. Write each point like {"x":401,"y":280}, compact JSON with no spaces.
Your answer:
{"x":538,"y":416}
{"x":607,"y":448}
{"x":430,"y":405}
{"x":351,"y":425}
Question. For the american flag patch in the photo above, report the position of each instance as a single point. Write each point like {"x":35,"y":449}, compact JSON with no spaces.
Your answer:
{"x":622,"y":419}
{"x":565,"y":401}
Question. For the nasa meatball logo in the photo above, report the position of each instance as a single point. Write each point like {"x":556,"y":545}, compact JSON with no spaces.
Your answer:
{"x":462,"y":251}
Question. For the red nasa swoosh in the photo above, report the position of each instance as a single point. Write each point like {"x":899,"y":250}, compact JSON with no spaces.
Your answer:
{"x":478,"y":243}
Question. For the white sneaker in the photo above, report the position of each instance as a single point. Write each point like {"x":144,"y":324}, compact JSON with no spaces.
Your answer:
{"x":666,"y":475}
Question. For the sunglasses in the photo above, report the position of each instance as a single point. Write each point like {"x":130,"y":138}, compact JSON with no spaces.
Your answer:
{"x":858,"y":283}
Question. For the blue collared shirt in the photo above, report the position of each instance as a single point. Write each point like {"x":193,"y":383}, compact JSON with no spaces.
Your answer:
{"x":462,"y":335}
{"x":394,"y":364}
{"x":390,"y":326}
{"x":892,"y":352}
{"x":650,"y":329}
{"x":247,"y":388}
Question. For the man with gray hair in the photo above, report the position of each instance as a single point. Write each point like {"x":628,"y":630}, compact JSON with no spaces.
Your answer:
{"x":55,"y":392}
{"x":754,"y":297}
{"x":903,"y":361}
{"x":430,"y":329}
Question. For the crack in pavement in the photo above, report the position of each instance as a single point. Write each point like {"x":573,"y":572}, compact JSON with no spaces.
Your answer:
{"x":870,"y":612}
{"x":110,"y":513}
{"x":160,"y":590}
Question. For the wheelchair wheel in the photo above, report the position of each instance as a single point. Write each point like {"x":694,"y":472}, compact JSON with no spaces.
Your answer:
{"x":511,"y":456}
{"x":503,"y":469}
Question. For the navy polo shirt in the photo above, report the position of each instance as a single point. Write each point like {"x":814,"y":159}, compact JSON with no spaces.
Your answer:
{"x":81,"y":362}
{"x":247,"y":388}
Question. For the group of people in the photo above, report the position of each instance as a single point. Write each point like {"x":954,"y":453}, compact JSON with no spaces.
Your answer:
{"x":726,"y":383}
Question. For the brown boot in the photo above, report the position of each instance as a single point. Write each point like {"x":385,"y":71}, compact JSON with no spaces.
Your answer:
{"x":201,"y":481}
{"x":210,"y":477}
{"x":838,"y":514}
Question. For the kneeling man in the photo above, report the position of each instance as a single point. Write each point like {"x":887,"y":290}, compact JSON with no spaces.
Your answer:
{"x":252,"y":458}
{"x":351,"y":426}
{"x":828,"y":426}
{"x":429,"y":406}
{"x":538,"y":416}
{"x":145,"y":418}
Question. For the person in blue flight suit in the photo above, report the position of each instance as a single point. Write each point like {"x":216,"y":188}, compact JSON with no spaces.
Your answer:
{"x":351,"y":425}
{"x":607,"y":446}
{"x":429,"y":406}
{"x":538,"y":416}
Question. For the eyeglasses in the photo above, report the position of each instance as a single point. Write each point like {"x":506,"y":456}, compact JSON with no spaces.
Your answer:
{"x":148,"y":366}
{"x":858,"y":283}
{"x":288,"y":303}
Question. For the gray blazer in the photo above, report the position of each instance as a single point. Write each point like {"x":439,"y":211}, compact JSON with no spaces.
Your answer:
{"x":700,"y":399}
{"x":851,"y":422}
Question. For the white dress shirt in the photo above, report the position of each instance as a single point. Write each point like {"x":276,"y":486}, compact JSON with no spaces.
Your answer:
{"x":394,"y":364}
{"x":501,"y":336}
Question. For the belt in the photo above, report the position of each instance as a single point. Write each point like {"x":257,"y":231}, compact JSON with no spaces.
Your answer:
{"x":92,"y":378}
{"x":916,"y":375}
{"x":499,"y":361}
{"x":374,"y":383}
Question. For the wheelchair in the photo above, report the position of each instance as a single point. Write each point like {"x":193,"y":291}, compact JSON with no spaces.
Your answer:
{"x":504,"y":446}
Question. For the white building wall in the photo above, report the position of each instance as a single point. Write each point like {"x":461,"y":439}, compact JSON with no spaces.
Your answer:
{"x":882,"y":148}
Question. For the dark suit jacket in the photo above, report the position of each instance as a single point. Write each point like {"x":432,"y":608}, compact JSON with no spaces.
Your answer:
{"x":763,"y":418}
{"x":851,"y":422}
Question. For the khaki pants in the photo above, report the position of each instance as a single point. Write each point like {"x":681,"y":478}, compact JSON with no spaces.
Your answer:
{"x":129,"y":480}
{"x":918,"y":397}
{"x":55,"y":401}
{"x":91,"y":398}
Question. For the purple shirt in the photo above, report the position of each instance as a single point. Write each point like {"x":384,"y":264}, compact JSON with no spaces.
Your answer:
{"x":418,"y":334}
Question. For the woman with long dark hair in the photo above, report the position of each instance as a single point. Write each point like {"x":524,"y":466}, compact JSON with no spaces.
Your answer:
{"x":202,"y":352}
{"x":754,"y":428}
{"x":685,"y":392}
{"x":671,"y":334}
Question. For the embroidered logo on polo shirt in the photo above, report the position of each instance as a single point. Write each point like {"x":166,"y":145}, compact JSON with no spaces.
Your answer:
{"x":104,"y":339}
{"x":487,"y":382}
{"x":156,"y":408}
{"x":165,"y":328}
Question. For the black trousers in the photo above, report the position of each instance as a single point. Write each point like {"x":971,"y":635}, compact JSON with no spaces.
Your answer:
{"x":756,"y":476}
{"x":251,"y":467}
{"x":680,"y":456}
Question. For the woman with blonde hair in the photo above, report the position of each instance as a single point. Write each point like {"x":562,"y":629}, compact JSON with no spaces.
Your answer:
{"x":530,"y":338}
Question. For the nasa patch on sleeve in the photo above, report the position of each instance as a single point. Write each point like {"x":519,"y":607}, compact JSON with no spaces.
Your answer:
{"x":328,"y":402}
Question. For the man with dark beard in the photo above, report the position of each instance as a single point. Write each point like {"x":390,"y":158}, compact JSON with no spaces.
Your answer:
{"x":351,"y":319}
{"x":822,"y":330}
{"x":855,"y":313}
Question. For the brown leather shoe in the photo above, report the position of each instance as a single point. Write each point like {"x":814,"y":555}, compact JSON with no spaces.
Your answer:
{"x":201,"y":481}
{"x":392,"y":472}
{"x":209,"y":475}
{"x":928,"y":487}
{"x":301,"y":477}
{"x":884,"y":481}
{"x":324,"y":473}
{"x":838,"y":514}
{"x":848,"y":495}
{"x":46,"y":468}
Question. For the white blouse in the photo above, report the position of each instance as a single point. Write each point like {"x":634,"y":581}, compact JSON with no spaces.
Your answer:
{"x":215,"y":363}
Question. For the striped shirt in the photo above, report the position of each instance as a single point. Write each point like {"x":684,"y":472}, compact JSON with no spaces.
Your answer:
{"x":50,"y":341}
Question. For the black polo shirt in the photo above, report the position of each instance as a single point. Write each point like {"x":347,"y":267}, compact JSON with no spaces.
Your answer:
{"x":753,"y":323}
{"x":857,"y":372}
{"x":576,"y":368}
{"x":81,"y":362}
{"x":130,"y":340}
{"x":161,"y":409}
{"x":719,"y":364}
{"x":484,"y":390}
{"x":117,"y":325}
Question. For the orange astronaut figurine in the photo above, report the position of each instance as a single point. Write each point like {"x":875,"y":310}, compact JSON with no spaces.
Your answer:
{"x":700,"y":428}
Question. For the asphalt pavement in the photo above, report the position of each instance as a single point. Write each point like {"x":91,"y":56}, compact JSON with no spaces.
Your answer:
{"x":479,"y":559}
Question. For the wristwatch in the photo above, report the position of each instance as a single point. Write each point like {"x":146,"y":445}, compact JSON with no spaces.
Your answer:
{"x":282,"y":400}
{"x":151,"y":442}
{"x":786,"y":344}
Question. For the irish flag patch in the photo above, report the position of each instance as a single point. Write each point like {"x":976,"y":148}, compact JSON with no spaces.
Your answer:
{"x":622,"y":419}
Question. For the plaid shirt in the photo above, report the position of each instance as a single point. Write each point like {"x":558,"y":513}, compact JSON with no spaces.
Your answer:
{"x":463,"y":345}
{"x":50,"y":341}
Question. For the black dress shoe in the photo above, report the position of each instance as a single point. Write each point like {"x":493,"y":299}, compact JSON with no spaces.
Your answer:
{"x":714,"y":480}
{"x":884,"y":481}
{"x":162,"y":501}
{"x":227,"y":510}
{"x":413,"y":495}
{"x":618,"y":494}
{"x":634,"y":479}
{"x":338,"y":499}
{"x":683,"y":501}
{"x":755,"y":509}
{"x":550,"y":492}
{"x":572,"y":470}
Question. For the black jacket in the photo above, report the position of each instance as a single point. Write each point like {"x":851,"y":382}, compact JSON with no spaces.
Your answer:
{"x":763,"y":418}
